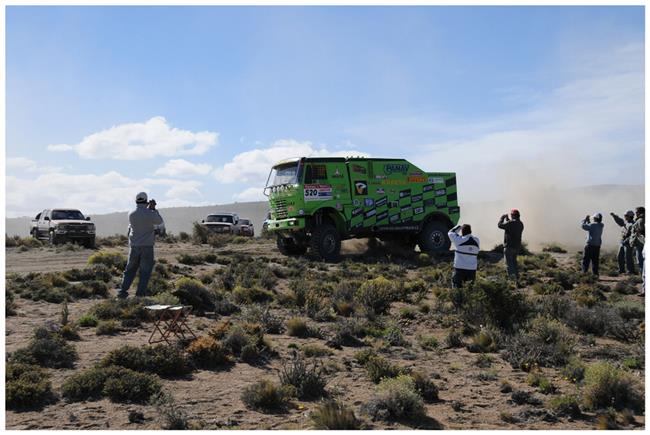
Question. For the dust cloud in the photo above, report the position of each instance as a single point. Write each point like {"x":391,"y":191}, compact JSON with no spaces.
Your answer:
{"x":552,"y":215}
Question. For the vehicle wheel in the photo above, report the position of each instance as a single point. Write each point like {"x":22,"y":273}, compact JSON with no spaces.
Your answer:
{"x":406,"y":245}
{"x":288,"y":247}
{"x":433,"y":238}
{"x":326,"y":243}
{"x":34,"y":234}
{"x":53,"y":238}
{"x":89,"y":243}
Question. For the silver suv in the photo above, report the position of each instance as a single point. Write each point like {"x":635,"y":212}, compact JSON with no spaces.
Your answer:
{"x":60,"y":225}
{"x":227,"y":223}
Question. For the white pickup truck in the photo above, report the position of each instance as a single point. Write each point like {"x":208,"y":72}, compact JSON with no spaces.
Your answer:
{"x":61,"y":225}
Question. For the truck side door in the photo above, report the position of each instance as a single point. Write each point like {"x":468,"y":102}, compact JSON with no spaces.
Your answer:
{"x":43,"y":225}
{"x":362,"y":209}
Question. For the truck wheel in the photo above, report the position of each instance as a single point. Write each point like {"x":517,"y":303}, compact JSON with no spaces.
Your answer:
{"x":326,"y":243}
{"x":89,"y":243}
{"x":53,"y":239}
{"x":406,"y":245}
{"x":433,"y":238}
{"x":288,"y":247}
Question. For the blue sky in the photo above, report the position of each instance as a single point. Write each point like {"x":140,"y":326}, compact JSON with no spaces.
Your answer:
{"x":194,"y":103}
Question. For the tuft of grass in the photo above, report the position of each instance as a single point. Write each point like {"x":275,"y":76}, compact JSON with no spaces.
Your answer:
{"x":454,"y":339}
{"x":265,"y":396}
{"x":112,"y":260}
{"x":397,"y":399}
{"x":298,"y":327}
{"x":333,"y":415}
{"x":428,"y":342}
{"x":87,"y":321}
{"x":306,"y":379}
{"x":566,"y":405}
{"x":108,"y":327}
{"x":315,"y":351}
{"x":379,"y":368}
{"x":174,"y":418}
{"x":425,"y":386}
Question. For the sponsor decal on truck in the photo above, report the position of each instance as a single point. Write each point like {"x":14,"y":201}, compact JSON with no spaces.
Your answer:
{"x":318,"y":192}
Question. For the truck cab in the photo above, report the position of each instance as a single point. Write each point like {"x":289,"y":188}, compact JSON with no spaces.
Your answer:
{"x":317,"y":202}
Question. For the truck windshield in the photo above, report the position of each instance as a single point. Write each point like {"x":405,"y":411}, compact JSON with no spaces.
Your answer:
{"x":244,"y":222}
{"x":59,"y":215}
{"x":286,"y":174}
{"x":217,"y":218}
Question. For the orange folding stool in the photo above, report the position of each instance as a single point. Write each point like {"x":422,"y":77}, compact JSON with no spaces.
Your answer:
{"x":171,"y":320}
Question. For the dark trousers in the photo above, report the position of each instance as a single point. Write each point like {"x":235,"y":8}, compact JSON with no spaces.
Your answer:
{"x":510,"y":254}
{"x":625,"y":258}
{"x":591,"y":255}
{"x":460,"y":276}
{"x":140,"y":257}
{"x":639,"y":256}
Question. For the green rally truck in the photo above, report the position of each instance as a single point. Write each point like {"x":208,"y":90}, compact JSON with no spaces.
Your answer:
{"x":315,"y":202}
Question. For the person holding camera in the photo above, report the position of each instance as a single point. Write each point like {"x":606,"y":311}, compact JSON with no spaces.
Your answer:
{"x":513,"y":228}
{"x":594,"y":240}
{"x":465,"y":255}
{"x":142,"y":222}
{"x":625,"y":250}
{"x":637,"y":236}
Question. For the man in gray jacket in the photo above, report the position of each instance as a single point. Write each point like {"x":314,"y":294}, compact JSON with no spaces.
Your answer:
{"x":142,"y":223}
{"x":594,"y":240}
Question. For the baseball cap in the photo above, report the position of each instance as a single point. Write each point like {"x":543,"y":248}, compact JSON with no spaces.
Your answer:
{"x":514,"y":211}
{"x":629,"y":213}
{"x":597,"y":215}
{"x":141,"y":197}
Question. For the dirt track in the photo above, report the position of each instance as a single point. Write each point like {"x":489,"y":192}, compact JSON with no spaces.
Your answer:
{"x":468,"y":399}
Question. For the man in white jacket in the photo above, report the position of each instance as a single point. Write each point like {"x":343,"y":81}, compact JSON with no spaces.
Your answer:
{"x":466,"y":255}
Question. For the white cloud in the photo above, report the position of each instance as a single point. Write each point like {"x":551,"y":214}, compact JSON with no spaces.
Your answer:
{"x":28,"y":165}
{"x":96,"y":194}
{"x":183,"y":168}
{"x":253,"y":166}
{"x":250,"y":194}
{"x":144,"y":140}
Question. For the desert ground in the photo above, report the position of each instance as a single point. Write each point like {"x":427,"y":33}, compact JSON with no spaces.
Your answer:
{"x":377,"y":340}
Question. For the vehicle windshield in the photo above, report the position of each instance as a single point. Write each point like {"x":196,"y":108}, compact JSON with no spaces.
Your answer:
{"x":285,"y":174}
{"x":59,"y":215}
{"x":220,"y":218}
{"x":244,"y":222}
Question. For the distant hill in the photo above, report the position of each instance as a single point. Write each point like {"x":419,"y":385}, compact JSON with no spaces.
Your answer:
{"x":177,"y":219}
{"x":549,"y":215}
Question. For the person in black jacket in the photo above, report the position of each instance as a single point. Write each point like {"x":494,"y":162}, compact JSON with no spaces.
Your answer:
{"x":625,"y":250}
{"x":513,"y":227}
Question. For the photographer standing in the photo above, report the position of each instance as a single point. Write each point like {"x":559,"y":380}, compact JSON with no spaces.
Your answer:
{"x":465,"y":256}
{"x":594,"y":240}
{"x":625,"y":250}
{"x":513,"y":228}
{"x":141,"y":240}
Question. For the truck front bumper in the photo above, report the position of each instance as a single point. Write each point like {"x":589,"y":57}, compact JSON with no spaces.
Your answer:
{"x":290,"y":224}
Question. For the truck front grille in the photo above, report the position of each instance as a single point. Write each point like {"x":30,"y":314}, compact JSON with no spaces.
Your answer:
{"x":281,"y":209}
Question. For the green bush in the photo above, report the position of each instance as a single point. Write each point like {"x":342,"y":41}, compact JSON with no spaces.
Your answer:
{"x":26,"y":387}
{"x":114,"y":260}
{"x":425,"y":386}
{"x":249,"y":295}
{"x":306,"y":379}
{"x":46,"y":349}
{"x":428,"y":342}
{"x":607,"y":386}
{"x":207,"y":353}
{"x":88,"y":384}
{"x":376,"y":295}
{"x":332,"y":415}
{"x":131,"y":387}
{"x":87,"y":320}
{"x":379,"y":368}
{"x":574,"y":370}
{"x":566,"y":406}
{"x":163,"y":360}
{"x":298,"y":327}
{"x":397,"y":399}
{"x":50,"y":287}
{"x":546,"y":343}
{"x":98,"y":272}
{"x":107,"y":327}
{"x":131,"y":312}
{"x":265,"y":396}
{"x":315,"y":351}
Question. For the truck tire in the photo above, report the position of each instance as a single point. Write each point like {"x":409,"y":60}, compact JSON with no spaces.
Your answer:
{"x":54,"y":240}
{"x":288,"y":247}
{"x":325,"y":243}
{"x":433,"y":238}
{"x":89,"y":243}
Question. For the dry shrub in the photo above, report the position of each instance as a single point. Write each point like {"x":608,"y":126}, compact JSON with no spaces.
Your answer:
{"x":27,"y":387}
{"x":161,"y":359}
{"x":397,"y":399}
{"x":117,"y":383}
{"x":376,"y":295}
{"x":46,"y":349}
{"x":112,"y":260}
{"x":307,"y":379}
{"x":332,"y":415}
{"x":207,"y":353}
{"x":265,"y":396}
{"x":607,"y":386}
